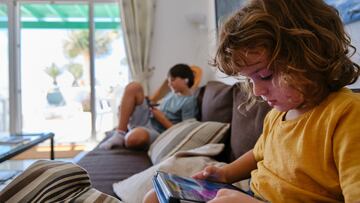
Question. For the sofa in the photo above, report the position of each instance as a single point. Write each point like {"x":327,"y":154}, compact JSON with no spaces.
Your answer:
{"x":218,"y":102}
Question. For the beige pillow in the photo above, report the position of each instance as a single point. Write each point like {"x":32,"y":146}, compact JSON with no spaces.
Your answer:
{"x":186,"y":135}
{"x":186,"y":163}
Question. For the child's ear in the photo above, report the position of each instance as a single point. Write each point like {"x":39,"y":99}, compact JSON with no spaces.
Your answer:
{"x":186,"y":80}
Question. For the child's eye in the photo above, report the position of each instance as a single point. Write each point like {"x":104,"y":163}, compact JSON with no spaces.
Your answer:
{"x":267,"y":77}
{"x":265,"y":74}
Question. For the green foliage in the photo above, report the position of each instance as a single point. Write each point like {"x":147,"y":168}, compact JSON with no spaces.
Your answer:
{"x":53,"y":71}
{"x":78,"y":43}
{"x":77,"y":71}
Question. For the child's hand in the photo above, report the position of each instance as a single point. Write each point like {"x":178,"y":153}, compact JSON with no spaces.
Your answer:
{"x":212,"y":173}
{"x":227,"y":195}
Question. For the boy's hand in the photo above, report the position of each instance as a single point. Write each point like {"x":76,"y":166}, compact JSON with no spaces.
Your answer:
{"x":158,"y":115}
{"x":212,"y":173}
{"x":150,"y":104}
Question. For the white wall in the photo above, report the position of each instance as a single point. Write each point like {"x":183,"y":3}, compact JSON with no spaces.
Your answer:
{"x":177,"y":40}
{"x":353,"y":30}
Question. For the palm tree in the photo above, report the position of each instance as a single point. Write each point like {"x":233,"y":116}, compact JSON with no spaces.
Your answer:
{"x":77,"y":71}
{"x":78,"y":43}
{"x":53,"y":71}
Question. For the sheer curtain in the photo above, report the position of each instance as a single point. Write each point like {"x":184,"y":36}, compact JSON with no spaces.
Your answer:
{"x":137,"y":24}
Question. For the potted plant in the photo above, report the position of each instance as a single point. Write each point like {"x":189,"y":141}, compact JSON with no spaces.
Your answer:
{"x":54,"y":96}
{"x":77,"y":71}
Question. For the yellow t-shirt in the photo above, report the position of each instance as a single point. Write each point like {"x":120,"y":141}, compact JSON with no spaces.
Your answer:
{"x":313,"y":158}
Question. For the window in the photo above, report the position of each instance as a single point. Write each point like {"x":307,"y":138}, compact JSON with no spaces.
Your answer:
{"x":4,"y":70}
{"x":60,"y":91}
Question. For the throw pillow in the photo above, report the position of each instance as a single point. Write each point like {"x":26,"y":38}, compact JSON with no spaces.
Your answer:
{"x":217,"y":102}
{"x":186,"y":135}
{"x":185,"y":163}
{"x":247,"y":124}
{"x":53,"y":181}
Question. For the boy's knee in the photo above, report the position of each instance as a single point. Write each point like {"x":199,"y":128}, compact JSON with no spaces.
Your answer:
{"x":134,"y":90}
{"x":150,"y":197}
{"x":134,"y":87}
{"x":137,"y":138}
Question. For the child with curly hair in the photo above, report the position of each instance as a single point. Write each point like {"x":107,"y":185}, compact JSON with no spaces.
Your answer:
{"x":295,"y":55}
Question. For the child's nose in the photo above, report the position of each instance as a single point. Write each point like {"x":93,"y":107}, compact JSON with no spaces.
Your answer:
{"x":259,"y":89}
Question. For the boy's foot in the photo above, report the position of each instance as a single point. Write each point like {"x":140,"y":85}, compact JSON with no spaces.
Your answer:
{"x":117,"y":139}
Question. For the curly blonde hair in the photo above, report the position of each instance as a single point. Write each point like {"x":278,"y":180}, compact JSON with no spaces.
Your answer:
{"x":306,"y":41}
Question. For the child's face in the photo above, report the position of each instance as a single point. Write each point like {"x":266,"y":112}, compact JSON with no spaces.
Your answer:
{"x":265,"y":83}
{"x":177,"y":84}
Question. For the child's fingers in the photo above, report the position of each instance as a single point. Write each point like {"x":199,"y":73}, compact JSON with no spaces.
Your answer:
{"x":208,"y":173}
{"x":198,"y":175}
{"x":211,"y":172}
{"x":201,"y":174}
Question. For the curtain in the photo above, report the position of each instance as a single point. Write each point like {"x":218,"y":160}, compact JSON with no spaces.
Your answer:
{"x":137,"y":23}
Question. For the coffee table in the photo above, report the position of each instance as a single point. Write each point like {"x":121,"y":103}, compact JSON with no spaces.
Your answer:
{"x":19,"y":143}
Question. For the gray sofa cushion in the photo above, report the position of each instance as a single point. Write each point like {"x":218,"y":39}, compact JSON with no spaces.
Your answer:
{"x":245,"y":127}
{"x":217,"y":102}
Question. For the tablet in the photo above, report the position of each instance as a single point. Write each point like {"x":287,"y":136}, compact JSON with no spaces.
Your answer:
{"x":175,"y":189}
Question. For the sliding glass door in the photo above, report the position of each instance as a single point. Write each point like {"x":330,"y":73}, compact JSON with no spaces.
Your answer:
{"x":55,"y":85}
{"x":60,"y":90}
{"x":4,"y":70}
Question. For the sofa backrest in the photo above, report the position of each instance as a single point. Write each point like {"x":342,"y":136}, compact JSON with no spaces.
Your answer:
{"x":219,"y":102}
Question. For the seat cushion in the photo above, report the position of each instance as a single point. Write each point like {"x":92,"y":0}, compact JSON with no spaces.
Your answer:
{"x":106,"y":167}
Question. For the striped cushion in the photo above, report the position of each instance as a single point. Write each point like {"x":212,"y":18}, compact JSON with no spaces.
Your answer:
{"x":53,"y":181}
{"x":186,"y":135}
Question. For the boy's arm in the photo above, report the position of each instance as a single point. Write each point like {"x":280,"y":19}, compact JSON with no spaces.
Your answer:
{"x":241,"y":168}
{"x":160,"y":117}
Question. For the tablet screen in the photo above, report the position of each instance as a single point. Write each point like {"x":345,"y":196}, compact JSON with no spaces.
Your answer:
{"x":193,"y":189}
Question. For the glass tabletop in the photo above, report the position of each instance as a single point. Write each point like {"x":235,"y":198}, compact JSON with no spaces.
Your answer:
{"x":9,"y":142}
{"x":11,"y":145}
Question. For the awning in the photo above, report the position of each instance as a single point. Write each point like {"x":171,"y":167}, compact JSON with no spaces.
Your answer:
{"x":64,"y":16}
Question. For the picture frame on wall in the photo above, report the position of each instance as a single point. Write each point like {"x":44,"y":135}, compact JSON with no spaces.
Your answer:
{"x":349,"y":9}
{"x":224,"y":9}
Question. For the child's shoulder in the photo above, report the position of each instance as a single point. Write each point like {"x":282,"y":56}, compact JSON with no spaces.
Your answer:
{"x":341,"y":101}
{"x":344,"y":97}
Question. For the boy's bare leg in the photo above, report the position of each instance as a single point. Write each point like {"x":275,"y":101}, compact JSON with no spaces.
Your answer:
{"x":133,"y":95}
